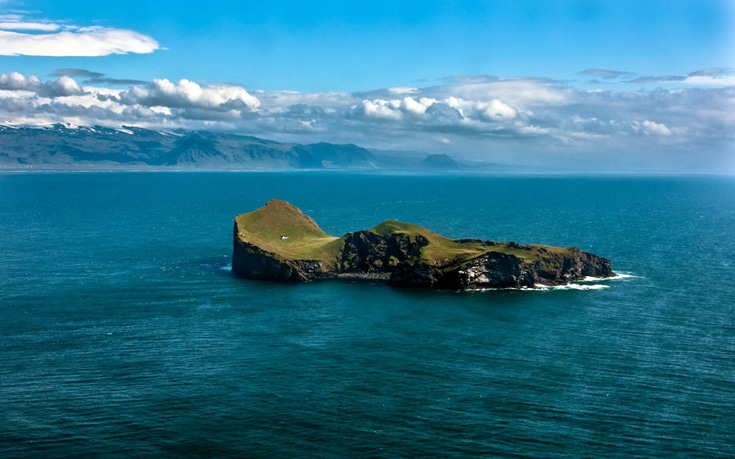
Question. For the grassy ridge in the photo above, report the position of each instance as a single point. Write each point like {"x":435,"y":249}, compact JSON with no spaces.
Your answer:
{"x":304,"y":240}
{"x":441,"y":251}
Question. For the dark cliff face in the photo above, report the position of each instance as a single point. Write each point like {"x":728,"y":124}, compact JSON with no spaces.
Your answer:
{"x":366,"y":251}
{"x":400,"y":259}
{"x":554,"y":270}
{"x":494,"y":270}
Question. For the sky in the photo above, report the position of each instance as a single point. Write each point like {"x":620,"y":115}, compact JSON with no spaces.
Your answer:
{"x":606,"y":85}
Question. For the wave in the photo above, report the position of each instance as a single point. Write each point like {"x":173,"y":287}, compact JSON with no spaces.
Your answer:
{"x":587,"y":283}
{"x":618,"y":276}
{"x":573,"y":286}
{"x":541,"y":288}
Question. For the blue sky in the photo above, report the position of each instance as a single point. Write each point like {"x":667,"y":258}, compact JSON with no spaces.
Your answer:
{"x":640,"y":85}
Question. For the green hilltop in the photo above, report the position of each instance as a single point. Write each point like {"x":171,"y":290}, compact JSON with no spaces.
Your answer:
{"x":283,"y":230}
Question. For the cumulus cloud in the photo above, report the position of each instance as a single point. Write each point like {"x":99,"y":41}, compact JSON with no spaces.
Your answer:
{"x":63,"y":86}
{"x":380,"y":109}
{"x":395,"y":109}
{"x":493,"y":110}
{"x":443,"y":114}
{"x":17,"y":81}
{"x":497,"y":110}
{"x":189,"y":94}
{"x":20,"y":37}
{"x":416,"y":107}
{"x":653,"y":128}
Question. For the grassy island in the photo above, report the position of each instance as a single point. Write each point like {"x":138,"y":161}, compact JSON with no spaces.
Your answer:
{"x":279,"y":242}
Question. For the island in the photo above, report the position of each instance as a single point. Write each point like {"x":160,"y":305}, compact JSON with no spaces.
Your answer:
{"x":278,"y":242}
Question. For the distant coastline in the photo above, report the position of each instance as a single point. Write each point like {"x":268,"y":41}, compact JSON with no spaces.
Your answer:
{"x":63,"y":147}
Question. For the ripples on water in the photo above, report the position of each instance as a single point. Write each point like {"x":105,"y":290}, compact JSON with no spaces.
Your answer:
{"x":123,"y":334}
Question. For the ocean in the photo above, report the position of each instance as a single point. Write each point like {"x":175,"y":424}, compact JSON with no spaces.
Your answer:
{"x":124,"y":334}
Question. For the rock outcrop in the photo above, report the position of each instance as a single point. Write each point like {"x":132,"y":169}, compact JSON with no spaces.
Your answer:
{"x":279,"y":243}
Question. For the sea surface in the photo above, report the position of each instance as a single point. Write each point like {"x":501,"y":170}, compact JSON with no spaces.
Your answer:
{"x":123,"y":333}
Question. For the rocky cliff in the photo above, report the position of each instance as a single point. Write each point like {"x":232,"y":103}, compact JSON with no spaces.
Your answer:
{"x":279,"y":243}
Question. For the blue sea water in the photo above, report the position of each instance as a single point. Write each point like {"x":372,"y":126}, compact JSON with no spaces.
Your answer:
{"x":123,"y":334}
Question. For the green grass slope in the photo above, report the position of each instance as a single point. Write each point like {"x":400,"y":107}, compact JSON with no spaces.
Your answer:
{"x":284,"y":230}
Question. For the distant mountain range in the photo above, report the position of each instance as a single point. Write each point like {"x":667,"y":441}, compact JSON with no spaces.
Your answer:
{"x":95,"y":147}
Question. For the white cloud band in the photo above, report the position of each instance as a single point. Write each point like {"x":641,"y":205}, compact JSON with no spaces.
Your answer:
{"x":474,"y":115}
{"x":50,"y":39}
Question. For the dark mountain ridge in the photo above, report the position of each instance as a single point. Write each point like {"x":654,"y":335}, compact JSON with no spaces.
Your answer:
{"x":63,"y":146}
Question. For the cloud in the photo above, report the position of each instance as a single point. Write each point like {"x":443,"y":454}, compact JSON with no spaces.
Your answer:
{"x":604,"y":74}
{"x":395,"y":109}
{"x":658,"y":79}
{"x":19,"y":37}
{"x":714,"y":80}
{"x":519,"y":92}
{"x":77,"y":73}
{"x":402,"y":90}
{"x":96,"y":77}
{"x":653,"y":128}
{"x":17,"y":81}
{"x":189,"y":94}
{"x":711,"y":72}
{"x":380,"y":109}
{"x":479,"y":117}
{"x":716,"y":76}
{"x":444,"y":115}
{"x":63,"y":86}
{"x":14,"y":22}
{"x":496,"y":110}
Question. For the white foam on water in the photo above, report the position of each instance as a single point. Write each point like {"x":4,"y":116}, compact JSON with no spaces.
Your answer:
{"x":587,"y":283}
{"x":581,"y":284}
{"x":572,"y":287}
{"x":618,"y":276}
